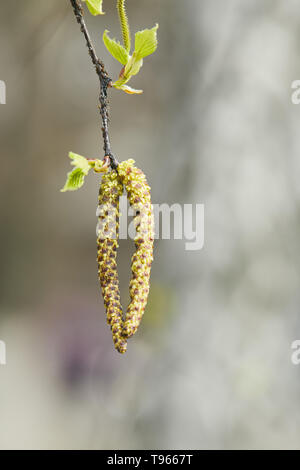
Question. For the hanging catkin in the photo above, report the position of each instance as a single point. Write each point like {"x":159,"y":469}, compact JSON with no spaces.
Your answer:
{"x":107,"y":241}
{"x":138,"y":193}
{"x":121,"y":175}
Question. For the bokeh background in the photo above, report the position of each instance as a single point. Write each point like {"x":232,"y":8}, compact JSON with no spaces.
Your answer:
{"x":211,"y":364}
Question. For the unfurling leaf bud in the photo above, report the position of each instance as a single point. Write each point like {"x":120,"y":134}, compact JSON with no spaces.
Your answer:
{"x":138,"y":192}
{"x":107,"y":241}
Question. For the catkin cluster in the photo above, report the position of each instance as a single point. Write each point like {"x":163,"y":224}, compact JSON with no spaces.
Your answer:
{"x":138,"y":192}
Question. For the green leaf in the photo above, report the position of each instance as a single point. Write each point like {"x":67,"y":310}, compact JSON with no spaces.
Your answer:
{"x":146,"y":42}
{"x":115,"y":48}
{"x":75,"y":180}
{"x":95,"y":7}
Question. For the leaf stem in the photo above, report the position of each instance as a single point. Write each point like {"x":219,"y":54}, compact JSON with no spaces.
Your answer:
{"x":124,"y":24}
{"x":105,"y":81}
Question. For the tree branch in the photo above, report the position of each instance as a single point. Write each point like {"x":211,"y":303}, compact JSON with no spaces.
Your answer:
{"x":105,"y":81}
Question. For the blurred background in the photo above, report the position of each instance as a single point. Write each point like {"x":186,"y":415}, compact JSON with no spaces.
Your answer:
{"x":211,"y":364}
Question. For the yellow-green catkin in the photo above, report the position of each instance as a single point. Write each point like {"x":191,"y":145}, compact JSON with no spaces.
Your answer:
{"x":138,"y":193}
{"x":107,"y":242}
{"x":124,"y":24}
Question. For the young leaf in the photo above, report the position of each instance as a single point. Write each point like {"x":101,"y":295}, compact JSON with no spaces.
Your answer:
{"x":132,"y":67}
{"x":75,"y":180}
{"x":95,"y":7}
{"x":115,"y":48}
{"x":80,"y":162}
{"x":128,"y":89}
{"x":146,"y":42}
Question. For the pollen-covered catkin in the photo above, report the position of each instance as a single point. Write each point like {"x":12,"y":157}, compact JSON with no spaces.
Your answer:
{"x":107,"y":241}
{"x":138,"y":193}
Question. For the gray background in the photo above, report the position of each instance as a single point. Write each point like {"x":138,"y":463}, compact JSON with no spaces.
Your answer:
{"x":210,"y":366}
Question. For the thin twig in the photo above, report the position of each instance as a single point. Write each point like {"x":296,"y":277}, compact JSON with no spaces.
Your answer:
{"x":105,"y":81}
